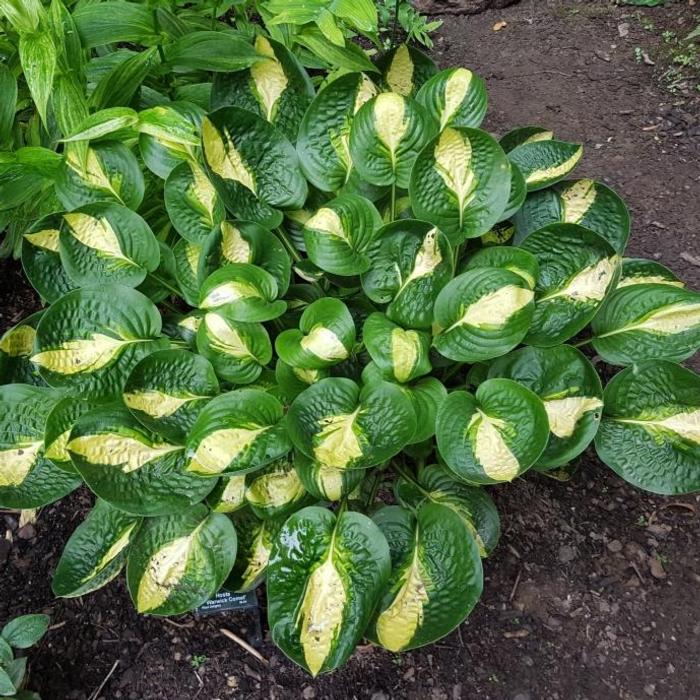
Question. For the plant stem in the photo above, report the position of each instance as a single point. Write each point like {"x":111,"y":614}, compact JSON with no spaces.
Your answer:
{"x":393,"y":201}
{"x":395,"y":25}
{"x":583,"y":342}
{"x":165,"y":284}
{"x":452,"y":370}
{"x":288,"y":244}
{"x":406,"y":474}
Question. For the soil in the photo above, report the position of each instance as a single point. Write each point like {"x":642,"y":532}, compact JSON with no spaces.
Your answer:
{"x":592,"y":593}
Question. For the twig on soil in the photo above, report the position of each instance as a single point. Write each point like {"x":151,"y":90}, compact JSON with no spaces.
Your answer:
{"x":244,"y":645}
{"x":57,"y":626}
{"x":515,"y":585}
{"x":679,"y":504}
{"x":104,"y":682}
{"x":181,"y":625}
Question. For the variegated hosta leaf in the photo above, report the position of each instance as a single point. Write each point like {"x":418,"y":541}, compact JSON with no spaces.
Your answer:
{"x":577,"y":270}
{"x":545,"y":161}
{"x":246,"y":291}
{"x":188,"y":263}
{"x":291,"y":381}
{"x":178,"y":562}
{"x":455,"y":97}
{"x":482,"y":313}
{"x":169,"y":135}
{"x":16,"y":349}
{"x":650,"y":434}
{"x":570,"y":388}
{"x":326,"y":483}
{"x":27,"y":478}
{"x":276,"y":491}
{"x":517,"y":196}
{"x":386,"y":136}
{"x":59,"y":423}
{"x":324,"y":578}
{"x":436,"y":484}
{"x":509,"y":258}
{"x":436,"y":577}
{"x":255,"y":539}
{"x":278,"y":88}
{"x":237,"y":350}
{"x":96,"y":551}
{"x":323,"y":144}
{"x":325,"y":336}
{"x":411,"y":262}
{"x":228,"y":496}
{"x":426,"y":396}
{"x":525,"y":134}
{"x":107,"y":243}
{"x":238,"y":432}
{"x":401,"y":355}
{"x":252,"y":165}
{"x":106,"y":172}
{"x":494,"y":435}
{"x":340,"y":233}
{"x":193,"y":205}
{"x":167,"y":390}
{"x":646,"y":321}
{"x":585,"y":202}
{"x":337,"y":424}
{"x":405,"y":69}
{"x":246,"y":242}
{"x":643,"y":271}
{"x":461,"y":183}
{"x":132,"y":468}
{"x":41,"y":259}
{"x":89,"y":340}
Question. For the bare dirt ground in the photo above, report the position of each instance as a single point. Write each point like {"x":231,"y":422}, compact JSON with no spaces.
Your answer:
{"x":593,"y":592}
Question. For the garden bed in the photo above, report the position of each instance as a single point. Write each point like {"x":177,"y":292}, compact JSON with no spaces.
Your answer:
{"x":592,"y":592}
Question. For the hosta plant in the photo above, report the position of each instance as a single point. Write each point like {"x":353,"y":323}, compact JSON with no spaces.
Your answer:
{"x":297,"y":337}
{"x":18,"y":634}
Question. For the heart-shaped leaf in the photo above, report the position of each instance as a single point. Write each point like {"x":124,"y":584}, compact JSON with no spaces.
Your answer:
{"x":405,"y":69}
{"x":643,"y":271}
{"x":649,"y":434}
{"x":321,"y":593}
{"x":455,"y":97}
{"x":525,"y":134}
{"x":508,"y":258}
{"x":545,"y":161}
{"x":178,"y":562}
{"x":494,"y":435}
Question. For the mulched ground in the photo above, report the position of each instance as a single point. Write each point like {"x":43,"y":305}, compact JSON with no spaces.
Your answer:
{"x":592,"y":593}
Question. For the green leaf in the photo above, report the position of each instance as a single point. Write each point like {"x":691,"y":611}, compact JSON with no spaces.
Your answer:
{"x":405,"y":69}
{"x":37,"y":53}
{"x":483,"y":313}
{"x":131,"y":467}
{"x":585,"y":202}
{"x":323,"y":143}
{"x":461,"y":183}
{"x":338,"y":236}
{"x":426,"y":395}
{"x":525,"y":134}
{"x":436,"y":484}
{"x":508,"y":258}
{"x":109,"y":172}
{"x":349,"y":57}
{"x":96,"y":551}
{"x":570,"y":388}
{"x":7,"y":687}
{"x":106,"y":242}
{"x":222,"y":51}
{"x":401,"y":355}
{"x":245,"y":291}
{"x":337,"y":424}
{"x":119,"y":85}
{"x":178,"y":562}
{"x":106,"y":122}
{"x":642,"y":271}
{"x":167,"y":390}
{"x":228,"y":496}
{"x":387,"y":134}
{"x":192,"y":203}
{"x":325,"y":336}
{"x":237,"y":350}
{"x":277,"y":87}
{"x":238,"y":432}
{"x":436,"y":577}
{"x":649,"y":434}
{"x":255,"y":538}
{"x":90,"y":339}
{"x":59,"y":423}
{"x":410,"y":264}
{"x":544,"y":162}
{"x":188,"y":257}
{"x":322,"y":591}
{"x":8,"y":103}
{"x":27,"y":478}
{"x":253,"y":166}
{"x":455,"y":97}
{"x":16,"y":347}
{"x":293,"y":380}
{"x":25,"y":631}
{"x":494,"y":435}
{"x":577,"y":270}
{"x":114,"y":22}
{"x":646,"y":321}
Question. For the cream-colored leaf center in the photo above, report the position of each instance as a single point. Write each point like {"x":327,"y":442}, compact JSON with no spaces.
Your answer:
{"x":328,"y":221}
{"x":218,"y":449}
{"x":456,"y":89}
{"x":268,"y":77}
{"x":47,"y":239}
{"x":337,"y":444}
{"x":577,"y":200}
{"x":564,"y":414}
{"x":18,"y":341}
{"x":233,"y":496}
{"x":405,"y":352}
{"x":554,"y":171}
{"x":324,"y":344}
{"x":223,"y":157}
{"x":589,"y":284}
{"x":16,"y":462}
{"x":275,"y":489}
{"x":390,"y":121}
{"x":453,"y":156}
{"x":82,"y":355}
{"x":685,"y":424}
{"x":115,"y":450}
{"x":495,"y":309}
{"x":491,"y":450}
{"x":399,"y":77}
{"x":157,"y":404}
{"x":230,"y":292}
{"x":234,"y":247}
{"x":95,"y":233}
{"x":226,"y":338}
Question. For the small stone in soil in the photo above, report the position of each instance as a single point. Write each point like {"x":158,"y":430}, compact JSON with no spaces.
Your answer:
{"x":566,"y":554}
{"x":615,"y":546}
